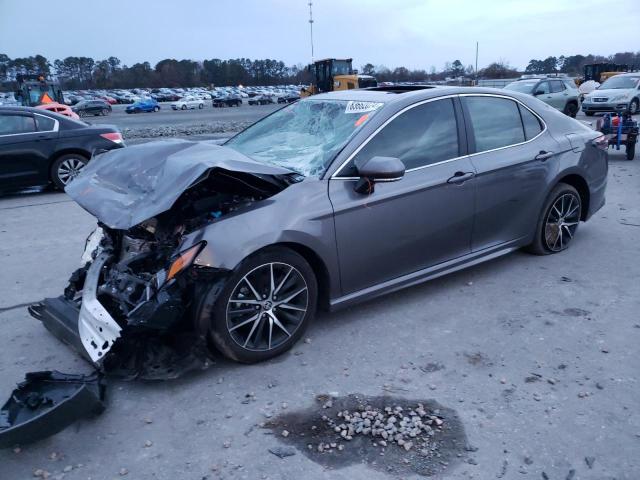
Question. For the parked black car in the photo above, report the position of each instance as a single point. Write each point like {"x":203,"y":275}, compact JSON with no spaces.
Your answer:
{"x":92,"y":107}
{"x":38,"y":147}
{"x":227,"y":101}
{"x":261,"y":100}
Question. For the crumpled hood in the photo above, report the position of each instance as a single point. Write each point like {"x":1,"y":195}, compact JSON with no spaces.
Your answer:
{"x":126,"y":186}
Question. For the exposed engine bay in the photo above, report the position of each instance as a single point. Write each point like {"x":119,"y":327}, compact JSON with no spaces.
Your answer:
{"x":139,"y":280}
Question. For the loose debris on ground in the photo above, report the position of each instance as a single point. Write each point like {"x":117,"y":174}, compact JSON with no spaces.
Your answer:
{"x":389,"y":434}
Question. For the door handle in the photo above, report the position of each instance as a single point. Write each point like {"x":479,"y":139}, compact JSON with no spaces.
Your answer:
{"x":461,"y":177}
{"x":543,"y":156}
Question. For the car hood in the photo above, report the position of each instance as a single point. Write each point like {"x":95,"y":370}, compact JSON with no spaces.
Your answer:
{"x":610,"y":92}
{"x":126,"y":186}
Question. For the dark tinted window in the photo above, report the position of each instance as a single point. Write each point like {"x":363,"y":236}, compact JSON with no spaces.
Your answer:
{"x":557,"y":86}
{"x":543,"y":87}
{"x":10,"y":124}
{"x":421,"y":136}
{"x":45,"y":124}
{"x":532,"y":126}
{"x":496,"y":122}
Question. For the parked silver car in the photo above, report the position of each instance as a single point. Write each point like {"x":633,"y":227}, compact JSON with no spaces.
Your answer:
{"x":561,"y":93}
{"x":620,"y":93}
{"x":332,"y":200}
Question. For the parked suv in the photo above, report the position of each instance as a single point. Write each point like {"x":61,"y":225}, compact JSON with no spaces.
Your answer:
{"x":618,"y":93}
{"x":560,"y":93}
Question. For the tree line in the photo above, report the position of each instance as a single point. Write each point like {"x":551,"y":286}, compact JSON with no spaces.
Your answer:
{"x":86,"y":72}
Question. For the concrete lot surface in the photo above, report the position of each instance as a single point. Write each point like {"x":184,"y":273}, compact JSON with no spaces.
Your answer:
{"x":536,"y":356}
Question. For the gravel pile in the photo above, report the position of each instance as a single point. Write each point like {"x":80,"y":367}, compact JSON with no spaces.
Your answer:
{"x":184,"y":130}
{"x":410,"y":428}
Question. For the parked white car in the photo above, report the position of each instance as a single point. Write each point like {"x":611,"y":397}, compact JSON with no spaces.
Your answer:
{"x":187,"y":102}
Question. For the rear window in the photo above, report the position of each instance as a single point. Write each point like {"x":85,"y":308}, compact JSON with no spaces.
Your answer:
{"x":13,"y":124}
{"x":45,"y":124}
{"x":496,"y":122}
{"x":531,"y":124}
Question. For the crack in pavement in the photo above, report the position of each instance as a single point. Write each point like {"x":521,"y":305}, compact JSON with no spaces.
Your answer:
{"x":35,"y":204}
{"x":14,"y":307}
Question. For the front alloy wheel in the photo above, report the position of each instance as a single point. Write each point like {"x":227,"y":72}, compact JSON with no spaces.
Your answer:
{"x":263,"y":308}
{"x":267,"y":306}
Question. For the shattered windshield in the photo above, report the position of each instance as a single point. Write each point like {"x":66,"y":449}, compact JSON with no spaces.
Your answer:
{"x":305,"y":136}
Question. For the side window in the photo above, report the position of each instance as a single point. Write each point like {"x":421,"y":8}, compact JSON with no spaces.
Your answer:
{"x":12,"y":124}
{"x":421,"y":136}
{"x":543,"y":87}
{"x":557,"y":86}
{"x":532,"y":126}
{"x":496,"y":122}
{"x":44,"y":124}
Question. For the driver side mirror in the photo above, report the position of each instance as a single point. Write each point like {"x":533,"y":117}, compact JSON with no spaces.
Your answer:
{"x":538,"y":92}
{"x":377,"y":169}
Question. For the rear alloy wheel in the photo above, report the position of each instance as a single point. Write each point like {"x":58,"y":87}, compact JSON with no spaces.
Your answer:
{"x":156,"y":109}
{"x":559,"y":221}
{"x":633,"y":106}
{"x":200,"y":106}
{"x":571,"y":109}
{"x":184,"y":107}
{"x":66,"y":168}
{"x":105,"y":112}
{"x":263,"y":308}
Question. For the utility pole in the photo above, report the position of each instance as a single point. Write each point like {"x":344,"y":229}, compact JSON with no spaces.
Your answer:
{"x":476,"y":70}
{"x":311,"y":27}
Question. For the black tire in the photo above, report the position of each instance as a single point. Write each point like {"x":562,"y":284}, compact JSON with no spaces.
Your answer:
{"x":589,"y":114}
{"x":215,"y":314}
{"x":571,"y":109}
{"x":633,"y":106}
{"x":201,"y":106}
{"x":104,"y":112}
{"x":66,"y":163}
{"x":543,"y":243}
{"x":156,"y":109}
{"x":631,"y":150}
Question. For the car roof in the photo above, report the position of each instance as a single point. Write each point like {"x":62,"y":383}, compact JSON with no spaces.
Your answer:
{"x":390,"y":95}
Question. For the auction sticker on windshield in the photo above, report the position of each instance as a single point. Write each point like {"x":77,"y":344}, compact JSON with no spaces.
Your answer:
{"x":362,"y":107}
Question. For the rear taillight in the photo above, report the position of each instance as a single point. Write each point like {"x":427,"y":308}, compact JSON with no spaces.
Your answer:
{"x":115,"y":137}
{"x":601,"y":142}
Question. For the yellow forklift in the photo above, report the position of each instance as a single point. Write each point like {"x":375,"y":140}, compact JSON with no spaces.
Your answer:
{"x":332,"y":74}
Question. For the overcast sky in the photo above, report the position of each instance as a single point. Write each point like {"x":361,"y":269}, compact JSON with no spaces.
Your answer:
{"x":412,"y":33}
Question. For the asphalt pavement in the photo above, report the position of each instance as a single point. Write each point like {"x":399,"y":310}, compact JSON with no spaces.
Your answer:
{"x":536,"y":356}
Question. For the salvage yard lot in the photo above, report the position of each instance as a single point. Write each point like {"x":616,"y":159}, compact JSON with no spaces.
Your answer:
{"x":537,"y":357}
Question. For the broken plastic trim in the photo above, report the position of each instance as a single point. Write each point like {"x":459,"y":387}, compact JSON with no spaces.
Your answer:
{"x":46,"y":403}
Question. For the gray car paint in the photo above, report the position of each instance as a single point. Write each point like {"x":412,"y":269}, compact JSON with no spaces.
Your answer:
{"x":417,"y":228}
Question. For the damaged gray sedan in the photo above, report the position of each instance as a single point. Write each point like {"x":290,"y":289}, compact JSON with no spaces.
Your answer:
{"x":332,"y":200}
{"x":335,"y":199}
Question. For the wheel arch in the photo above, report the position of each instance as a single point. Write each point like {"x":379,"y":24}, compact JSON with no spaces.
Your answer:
{"x":580,"y":184}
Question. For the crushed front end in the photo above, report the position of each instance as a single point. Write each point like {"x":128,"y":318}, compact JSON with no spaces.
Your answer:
{"x":129,"y":308}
